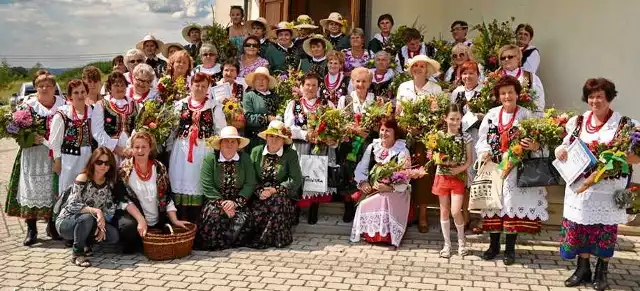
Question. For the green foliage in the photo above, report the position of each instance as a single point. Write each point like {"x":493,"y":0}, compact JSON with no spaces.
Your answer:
{"x":6,"y":77}
{"x":76,"y":73}
{"x":492,"y":36}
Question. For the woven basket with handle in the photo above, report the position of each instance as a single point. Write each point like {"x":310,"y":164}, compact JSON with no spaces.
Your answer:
{"x":159,"y":246}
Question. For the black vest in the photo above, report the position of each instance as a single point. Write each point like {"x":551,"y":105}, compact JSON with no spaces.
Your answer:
{"x":207,"y":124}
{"x":113,"y":123}
{"x":77,"y":134}
{"x":526,"y":54}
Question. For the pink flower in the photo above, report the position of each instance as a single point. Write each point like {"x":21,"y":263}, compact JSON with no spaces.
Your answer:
{"x":23,"y":118}
{"x":108,"y":119}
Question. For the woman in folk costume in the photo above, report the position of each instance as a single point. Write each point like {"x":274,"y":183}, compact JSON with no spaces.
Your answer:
{"x":237,"y":30}
{"x":383,"y":210}
{"x":420,"y":68}
{"x":523,"y":209}
{"x":510,"y":56}
{"x":260,"y":104}
{"x":250,"y":60}
{"x":192,"y":33}
{"x":113,"y":119}
{"x":228,"y":180}
{"x":142,"y":90}
{"x":530,"y":55}
{"x":335,"y":83}
{"x":132,"y":58}
{"x":357,"y":55}
{"x":295,"y":118}
{"x":460,"y":54}
{"x":260,"y":29}
{"x":316,"y":47}
{"x":149,"y":203}
{"x":413,"y":47}
{"x":180,"y":66}
{"x":201,"y":117}
{"x":282,"y":54}
{"x":350,"y":153}
{"x":304,"y":27}
{"x":381,"y":39}
{"x":208,"y":57}
{"x":230,"y":69}
{"x":32,"y":185}
{"x":336,"y":26}
{"x":70,"y":137}
{"x":279,"y":178}
{"x":591,"y":218}
{"x":93,"y":78}
{"x":382,"y":77}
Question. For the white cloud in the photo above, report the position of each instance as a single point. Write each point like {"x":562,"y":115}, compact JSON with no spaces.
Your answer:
{"x":53,"y":31}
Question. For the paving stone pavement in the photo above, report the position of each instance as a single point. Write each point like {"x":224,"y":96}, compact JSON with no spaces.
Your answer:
{"x":315,"y":261}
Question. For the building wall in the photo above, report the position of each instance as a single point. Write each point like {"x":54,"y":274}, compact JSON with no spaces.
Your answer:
{"x":577,"y":39}
{"x":221,"y":10}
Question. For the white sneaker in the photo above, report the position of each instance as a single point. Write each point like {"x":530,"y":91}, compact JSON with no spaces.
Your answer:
{"x":445,"y":252}
{"x":462,"y":248}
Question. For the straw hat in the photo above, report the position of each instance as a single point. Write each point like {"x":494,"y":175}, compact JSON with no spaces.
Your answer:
{"x":263,"y":21}
{"x":306,"y":45}
{"x":150,"y":37}
{"x":277,"y":128}
{"x":188,"y":28}
{"x":261,"y":71}
{"x":333,"y":17}
{"x":285,"y":26}
{"x":167,"y":46}
{"x":432,"y":65}
{"x":304,"y":21}
{"x":229,"y":132}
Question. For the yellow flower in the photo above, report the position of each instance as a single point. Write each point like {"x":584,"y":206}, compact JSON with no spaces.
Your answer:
{"x":432,"y":141}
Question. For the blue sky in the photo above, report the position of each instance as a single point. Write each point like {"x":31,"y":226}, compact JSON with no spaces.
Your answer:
{"x":64,"y":33}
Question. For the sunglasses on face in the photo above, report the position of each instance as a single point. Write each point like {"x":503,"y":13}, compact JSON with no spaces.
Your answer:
{"x":253,"y":45}
{"x":208,"y":55}
{"x":102,"y":163}
{"x":506,"y":58}
{"x":460,"y":55}
{"x":136,"y":61}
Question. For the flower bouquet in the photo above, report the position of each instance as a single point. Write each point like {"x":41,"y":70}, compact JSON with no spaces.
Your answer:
{"x":423,"y":115}
{"x":443,"y":52}
{"x":444,"y":148}
{"x":397,"y":38}
{"x":158,"y":119}
{"x":329,"y":127}
{"x":370,"y":119}
{"x":170,"y":91}
{"x":234,"y":114}
{"x":23,"y":126}
{"x":628,"y":199}
{"x":635,"y":142}
{"x":217,"y":35}
{"x":612,"y":159}
{"x":288,"y":89}
{"x":491,"y":38}
{"x":486,"y":100}
{"x":391,"y":173}
{"x":548,"y":131}
{"x":397,"y":80}
{"x":5,"y":119}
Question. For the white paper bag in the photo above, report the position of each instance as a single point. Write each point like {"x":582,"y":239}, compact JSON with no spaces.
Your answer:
{"x":314,"y":172}
{"x":486,"y":188}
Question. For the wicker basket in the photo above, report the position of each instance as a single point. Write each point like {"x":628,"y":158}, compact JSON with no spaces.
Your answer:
{"x":161,"y":247}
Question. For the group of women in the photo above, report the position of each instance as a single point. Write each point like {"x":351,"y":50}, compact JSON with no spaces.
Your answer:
{"x":246,"y":188}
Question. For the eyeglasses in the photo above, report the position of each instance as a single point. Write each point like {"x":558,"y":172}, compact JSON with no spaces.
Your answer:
{"x":253,"y":45}
{"x":505,"y":58}
{"x":136,"y":61}
{"x":143,"y":81}
{"x":460,"y":55}
{"x":208,"y":55}
{"x":102,"y":163}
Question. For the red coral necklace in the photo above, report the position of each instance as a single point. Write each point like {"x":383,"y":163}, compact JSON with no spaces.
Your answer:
{"x":592,"y":128}
{"x":334,"y":85}
{"x":144,"y":176}
{"x":196,"y":107}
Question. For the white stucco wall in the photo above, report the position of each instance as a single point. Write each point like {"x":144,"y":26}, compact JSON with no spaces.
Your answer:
{"x":578,"y":39}
{"x":221,"y":10}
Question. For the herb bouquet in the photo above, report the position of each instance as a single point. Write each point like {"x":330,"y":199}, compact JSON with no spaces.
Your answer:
{"x":491,"y":38}
{"x":423,"y":115}
{"x":288,"y":89}
{"x":158,"y":119}
{"x":170,"y":91}
{"x":234,"y":114}
{"x":329,"y":127}
{"x":487,"y":100}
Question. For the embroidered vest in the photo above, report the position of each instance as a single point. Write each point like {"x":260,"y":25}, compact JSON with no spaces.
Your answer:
{"x":113,"y":123}
{"x":77,"y":134}
{"x":336,"y":93}
{"x":207,"y":125}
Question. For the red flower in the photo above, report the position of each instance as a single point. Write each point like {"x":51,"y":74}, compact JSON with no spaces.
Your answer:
{"x":493,"y":60}
{"x":358,"y":118}
{"x":161,"y":88}
{"x":322,"y":127}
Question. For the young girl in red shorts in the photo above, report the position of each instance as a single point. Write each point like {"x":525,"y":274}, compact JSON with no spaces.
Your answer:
{"x":449,"y":187}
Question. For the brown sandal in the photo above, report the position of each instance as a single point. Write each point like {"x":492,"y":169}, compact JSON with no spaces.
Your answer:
{"x":423,"y":228}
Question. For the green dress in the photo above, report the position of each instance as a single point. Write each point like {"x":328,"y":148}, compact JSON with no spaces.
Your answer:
{"x":281,"y":59}
{"x":340,"y":42}
{"x":309,"y":64}
{"x":257,"y":108}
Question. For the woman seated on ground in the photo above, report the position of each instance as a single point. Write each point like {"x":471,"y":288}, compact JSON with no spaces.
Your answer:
{"x":383,"y":210}
{"x":87,"y":216}
{"x":146,"y":186}
{"x":279,"y":179}
{"x":227,"y":180}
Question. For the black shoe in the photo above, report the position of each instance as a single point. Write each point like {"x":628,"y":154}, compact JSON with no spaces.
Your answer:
{"x":68,"y":243}
{"x":32,"y":233}
{"x":581,"y":275}
{"x":349,"y":212}
{"x":52,"y":232}
{"x":600,"y":279}
{"x":313,"y":213}
{"x":296,"y":216}
{"x":510,"y":249}
{"x":509,"y":258}
{"x":494,"y":247}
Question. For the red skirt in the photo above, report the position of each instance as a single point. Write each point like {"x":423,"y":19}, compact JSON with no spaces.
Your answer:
{"x":511,"y":224}
{"x":306,"y":202}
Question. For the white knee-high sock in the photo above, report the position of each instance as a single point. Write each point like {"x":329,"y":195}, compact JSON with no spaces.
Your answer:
{"x":446,"y":231}
{"x":461,"y":236}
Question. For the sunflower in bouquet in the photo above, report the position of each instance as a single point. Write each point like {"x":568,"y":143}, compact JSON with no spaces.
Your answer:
{"x":234,"y":114}
{"x":547,"y":131}
{"x":423,"y":115}
{"x":492,"y":36}
{"x":170,"y":90}
{"x":158,"y":119}
{"x":288,"y":89}
{"x":23,"y":125}
{"x":611,"y":158}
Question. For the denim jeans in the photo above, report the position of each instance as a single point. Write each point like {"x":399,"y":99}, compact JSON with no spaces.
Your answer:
{"x":81,"y":229}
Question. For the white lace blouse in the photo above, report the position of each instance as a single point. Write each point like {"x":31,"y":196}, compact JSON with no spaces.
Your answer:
{"x":382,"y":156}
